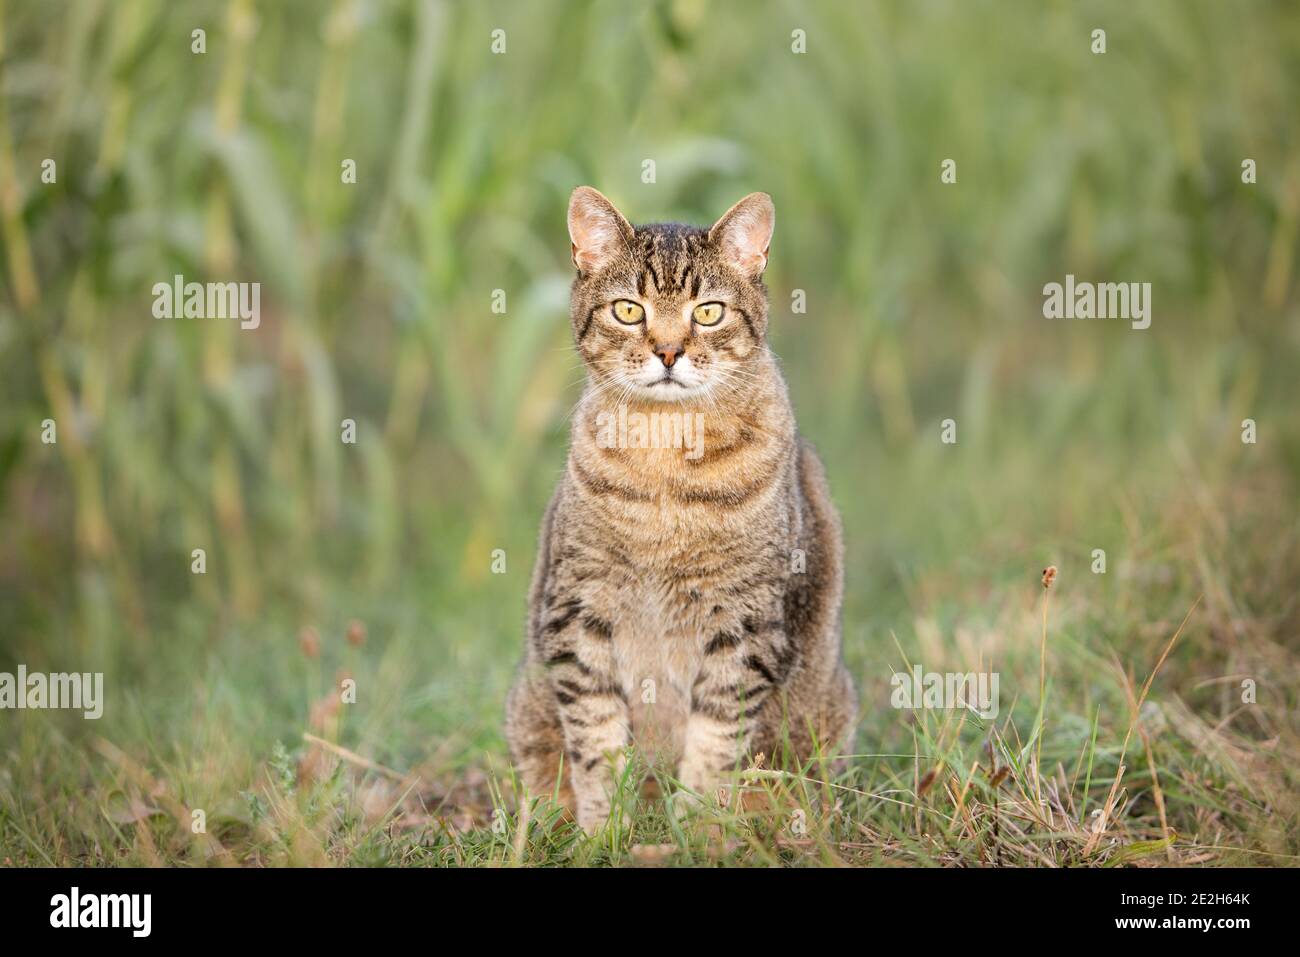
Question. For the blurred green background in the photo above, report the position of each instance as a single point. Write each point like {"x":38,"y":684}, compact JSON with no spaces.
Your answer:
{"x":923,"y":303}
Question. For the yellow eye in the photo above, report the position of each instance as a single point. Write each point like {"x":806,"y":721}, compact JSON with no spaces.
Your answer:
{"x":628,"y":312}
{"x":708,"y":313}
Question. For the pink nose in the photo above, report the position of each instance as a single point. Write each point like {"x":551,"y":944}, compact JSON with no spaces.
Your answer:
{"x":668,"y":353}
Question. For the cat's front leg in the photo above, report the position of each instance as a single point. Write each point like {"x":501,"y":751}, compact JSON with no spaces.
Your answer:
{"x":576,"y":647}
{"x":733,"y":683}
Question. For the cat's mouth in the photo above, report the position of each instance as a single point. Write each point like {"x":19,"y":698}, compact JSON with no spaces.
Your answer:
{"x":668,"y":384}
{"x":671,"y":386}
{"x":668,"y":388}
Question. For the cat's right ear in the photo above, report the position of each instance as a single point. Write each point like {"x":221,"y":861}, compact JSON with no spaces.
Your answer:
{"x":744,"y":233}
{"x":597,"y":230}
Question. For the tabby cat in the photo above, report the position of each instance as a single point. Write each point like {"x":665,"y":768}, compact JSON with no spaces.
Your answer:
{"x":686,"y":596}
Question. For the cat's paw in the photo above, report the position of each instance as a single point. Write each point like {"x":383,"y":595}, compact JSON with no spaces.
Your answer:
{"x":600,"y":816}
{"x":593,"y":818}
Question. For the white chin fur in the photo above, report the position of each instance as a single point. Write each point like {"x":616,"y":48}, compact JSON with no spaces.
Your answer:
{"x":669,"y":391}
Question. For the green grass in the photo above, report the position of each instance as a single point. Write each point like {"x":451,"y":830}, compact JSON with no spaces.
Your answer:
{"x":924,"y":303}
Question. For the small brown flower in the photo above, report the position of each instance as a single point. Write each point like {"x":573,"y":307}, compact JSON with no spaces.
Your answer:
{"x":309,"y":641}
{"x":356,"y":633}
{"x":1049,"y":576}
{"x":322,"y":712}
{"x":926,"y":781}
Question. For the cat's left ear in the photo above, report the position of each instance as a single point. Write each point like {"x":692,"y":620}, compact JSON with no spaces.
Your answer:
{"x":744,"y":233}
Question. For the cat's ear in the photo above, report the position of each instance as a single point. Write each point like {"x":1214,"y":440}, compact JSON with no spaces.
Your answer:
{"x":597,"y":231}
{"x":744,"y":232}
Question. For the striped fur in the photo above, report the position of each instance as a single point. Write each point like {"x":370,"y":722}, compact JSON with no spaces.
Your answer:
{"x":687,"y":607}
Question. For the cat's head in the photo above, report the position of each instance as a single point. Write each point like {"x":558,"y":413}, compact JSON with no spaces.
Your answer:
{"x":666,"y":312}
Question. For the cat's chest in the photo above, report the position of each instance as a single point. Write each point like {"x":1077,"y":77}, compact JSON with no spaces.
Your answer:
{"x":658,"y":651}
{"x":659,"y":633}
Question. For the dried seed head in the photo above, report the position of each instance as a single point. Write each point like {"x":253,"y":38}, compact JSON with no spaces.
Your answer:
{"x":323,"y":711}
{"x":1049,"y":576}
{"x":926,"y":781}
{"x":356,"y":633}
{"x":309,"y":641}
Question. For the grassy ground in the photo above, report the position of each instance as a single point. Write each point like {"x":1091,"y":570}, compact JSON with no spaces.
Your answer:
{"x":1123,"y":736}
